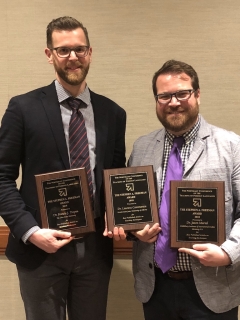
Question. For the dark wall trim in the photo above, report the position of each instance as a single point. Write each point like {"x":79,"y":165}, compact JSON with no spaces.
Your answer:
{"x":4,"y":231}
{"x":120,"y":247}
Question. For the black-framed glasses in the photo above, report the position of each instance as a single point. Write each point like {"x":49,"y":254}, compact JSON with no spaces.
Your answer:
{"x":64,"y":52}
{"x":181,"y":95}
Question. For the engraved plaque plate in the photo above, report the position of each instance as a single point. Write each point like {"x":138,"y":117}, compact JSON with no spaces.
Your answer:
{"x":197,"y":213}
{"x":64,"y":201}
{"x":130,"y":195}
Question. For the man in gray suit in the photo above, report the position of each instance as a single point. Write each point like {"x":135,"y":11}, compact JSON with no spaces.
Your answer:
{"x":204,"y":282}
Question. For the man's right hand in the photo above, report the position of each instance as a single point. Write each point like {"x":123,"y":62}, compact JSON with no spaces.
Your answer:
{"x":50,"y":240}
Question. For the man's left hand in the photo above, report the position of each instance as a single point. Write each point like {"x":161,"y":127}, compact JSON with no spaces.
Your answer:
{"x":117,"y":233}
{"x":210,"y":255}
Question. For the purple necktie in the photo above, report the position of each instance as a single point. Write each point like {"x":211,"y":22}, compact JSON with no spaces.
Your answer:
{"x":165,"y":256}
{"x":78,"y":141}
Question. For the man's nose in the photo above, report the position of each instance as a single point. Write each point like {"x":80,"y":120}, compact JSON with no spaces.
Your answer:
{"x":73,"y":55}
{"x":174,"y":101}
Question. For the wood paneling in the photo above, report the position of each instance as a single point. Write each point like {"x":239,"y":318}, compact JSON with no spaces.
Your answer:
{"x":123,"y":247}
{"x":4,"y":231}
{"x":120,"y":247}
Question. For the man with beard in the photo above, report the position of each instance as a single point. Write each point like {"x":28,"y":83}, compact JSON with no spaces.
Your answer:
{"x":56,"y":270}
{"x":202,"y":282}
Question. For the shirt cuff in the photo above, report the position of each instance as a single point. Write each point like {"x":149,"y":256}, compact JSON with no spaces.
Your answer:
{"x":29,"y":233}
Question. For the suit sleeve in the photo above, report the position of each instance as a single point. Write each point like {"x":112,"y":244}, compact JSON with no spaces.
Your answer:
{"x":232,"y":244}
{"x":12,"y":207}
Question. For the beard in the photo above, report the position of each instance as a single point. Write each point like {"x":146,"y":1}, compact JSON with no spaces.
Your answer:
{"x":179,"y":122}
{"x":72,"y":78}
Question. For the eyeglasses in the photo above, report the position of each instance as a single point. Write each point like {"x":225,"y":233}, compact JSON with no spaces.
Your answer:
{"x":181,"y":95}
{"x":64,"y":52}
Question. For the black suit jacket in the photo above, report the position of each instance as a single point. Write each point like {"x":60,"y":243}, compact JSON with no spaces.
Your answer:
{"x":32,"y":136}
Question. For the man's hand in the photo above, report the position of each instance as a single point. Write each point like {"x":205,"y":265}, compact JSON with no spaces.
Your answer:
{"x":210,"y":255}
{"x":117,"y":234}
{"x":107,"y":233}
{"x":148,"y":234}
{"x":50,"y":240}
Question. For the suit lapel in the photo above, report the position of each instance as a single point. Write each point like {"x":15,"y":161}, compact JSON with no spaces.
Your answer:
{"x":199,"y":145}
{"x":101,"y":129}
{"x":100,"y":121}
{"x":53,"y":112}
{"x":158,"y":159}
{"x":158,"y":151}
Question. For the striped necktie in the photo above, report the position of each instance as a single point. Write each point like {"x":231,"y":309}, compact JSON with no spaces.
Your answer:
{"x":78,"y":141}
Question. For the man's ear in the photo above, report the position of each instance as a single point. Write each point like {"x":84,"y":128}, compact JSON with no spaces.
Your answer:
{"x":198,"y":96}
{"x":90,"y":54}
{"x":48,"y":53}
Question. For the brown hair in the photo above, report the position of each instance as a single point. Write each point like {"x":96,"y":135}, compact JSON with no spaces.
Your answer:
{"x":64,"y":23}
{"x":176,"y":67}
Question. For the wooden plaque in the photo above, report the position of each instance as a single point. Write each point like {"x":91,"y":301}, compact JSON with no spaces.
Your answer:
{"x":131,"y":200}
{"x":197,"y":213}
{"x":64,"y":201}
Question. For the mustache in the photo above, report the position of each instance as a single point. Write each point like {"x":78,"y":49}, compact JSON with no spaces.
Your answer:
{"x":74,"y":65}
{"x":175,"y":110}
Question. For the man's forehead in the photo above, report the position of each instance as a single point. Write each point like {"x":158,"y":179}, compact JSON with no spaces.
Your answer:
{"x":176,"y":76}
{"x":76,"y":31}
{"x":65,"y":36}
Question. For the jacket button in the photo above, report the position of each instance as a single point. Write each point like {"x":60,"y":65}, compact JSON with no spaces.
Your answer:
{"x":150,"y":265}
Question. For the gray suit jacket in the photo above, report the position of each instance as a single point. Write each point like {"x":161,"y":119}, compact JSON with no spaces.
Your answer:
{"x":215,"y":156}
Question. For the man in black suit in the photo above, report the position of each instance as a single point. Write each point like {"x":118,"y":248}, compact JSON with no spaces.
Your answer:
{"x":55,"y":270}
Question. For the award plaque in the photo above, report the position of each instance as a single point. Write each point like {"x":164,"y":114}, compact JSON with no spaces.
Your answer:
{"x":64,"y":201}
{"x":197,"y":213}
{"x":131,"y":200}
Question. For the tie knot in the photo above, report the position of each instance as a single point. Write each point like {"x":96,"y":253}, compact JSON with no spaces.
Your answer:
{"x":178,"y":142}
{"x":74,"y":103}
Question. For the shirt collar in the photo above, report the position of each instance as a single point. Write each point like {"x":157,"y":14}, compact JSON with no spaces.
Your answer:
{"x":63,"y":94}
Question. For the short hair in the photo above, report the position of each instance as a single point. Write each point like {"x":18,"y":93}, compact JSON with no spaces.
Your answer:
{"x":176,"y":67}
{"x":64,"y":23}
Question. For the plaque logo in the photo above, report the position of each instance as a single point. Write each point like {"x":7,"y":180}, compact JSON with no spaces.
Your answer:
{"x":129,"y":186}
{"x":62,"y":192}
{"x":197,"y":202}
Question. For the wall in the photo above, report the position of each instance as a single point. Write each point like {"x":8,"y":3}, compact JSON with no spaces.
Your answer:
{"x":131,"y":39}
